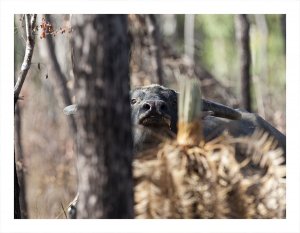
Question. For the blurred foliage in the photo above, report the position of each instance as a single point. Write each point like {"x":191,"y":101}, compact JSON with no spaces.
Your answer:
{"x":216,"y":50}
{"x":217,"y":45}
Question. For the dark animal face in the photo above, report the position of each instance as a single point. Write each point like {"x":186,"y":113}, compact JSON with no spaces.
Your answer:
{"x":154,"y":106}
{"x":154,"y":111}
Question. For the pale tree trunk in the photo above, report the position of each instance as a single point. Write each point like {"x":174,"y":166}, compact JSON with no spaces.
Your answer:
{"x":101,"y":68}
{"x":243,"y":39}
{"x":30,"y":22}
{"x":189,"y":21}
{"x":262,"y":63}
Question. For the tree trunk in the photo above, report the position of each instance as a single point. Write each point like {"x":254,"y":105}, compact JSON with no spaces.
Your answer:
{"x":189,"y":21}
{"x":283,"y":30}
{"x":59,"y":79}
{"x":30,"y":22}
{"x":20,"y":159}
{"x":101,"y":69}
{"x":259,"y":80}
{"x":243,"y":38}
{"x":156,"y":47}
{"x":17,"y":210}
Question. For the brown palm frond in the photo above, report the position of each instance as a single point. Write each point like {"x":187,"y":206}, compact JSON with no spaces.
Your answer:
{"x":224,"y":178}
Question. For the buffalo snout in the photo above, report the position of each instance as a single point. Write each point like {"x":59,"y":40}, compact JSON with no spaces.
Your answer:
{"x":155,"y":107}
{"x":154,"y":113}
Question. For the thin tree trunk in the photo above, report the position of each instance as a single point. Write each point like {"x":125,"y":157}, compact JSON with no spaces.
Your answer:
{"x":157,"y":48}
{"x":20,"y":159}
{"x":189,"y":43}
{"x":243,"y":38}
{"x":17,"y":209}
{"x":101,"y":69}
{"x":283,"y":29}
{"x":59,"y":79}
{"x":30,"y":21}
{"x":30,"y":42}
{"x":259,"y":80}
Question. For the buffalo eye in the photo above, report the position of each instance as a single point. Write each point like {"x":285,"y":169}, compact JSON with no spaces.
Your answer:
{"x":133,"y":101}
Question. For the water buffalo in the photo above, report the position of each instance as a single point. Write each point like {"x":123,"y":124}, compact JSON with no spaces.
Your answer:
{"x":154,"y":114}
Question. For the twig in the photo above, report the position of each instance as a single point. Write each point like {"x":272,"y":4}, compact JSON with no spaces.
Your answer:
{"x":72,"y":208}
{"x":30,"y":41}
{"x":63,"y":210}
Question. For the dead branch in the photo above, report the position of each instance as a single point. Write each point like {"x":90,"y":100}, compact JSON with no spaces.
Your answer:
{"x":30,"y":21}
{"x":63,"y":209}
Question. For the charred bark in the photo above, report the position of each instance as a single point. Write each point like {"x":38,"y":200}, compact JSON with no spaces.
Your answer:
{"x":101,"y":69}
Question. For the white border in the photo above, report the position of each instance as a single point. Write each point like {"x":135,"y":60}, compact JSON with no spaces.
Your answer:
{"x":10,"y":7}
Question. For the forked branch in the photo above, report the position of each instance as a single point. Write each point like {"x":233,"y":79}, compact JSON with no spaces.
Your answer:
{"x":30,"y":21}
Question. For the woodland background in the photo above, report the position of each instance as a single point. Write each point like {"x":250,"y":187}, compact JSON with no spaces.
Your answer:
{"x":162,"y":48}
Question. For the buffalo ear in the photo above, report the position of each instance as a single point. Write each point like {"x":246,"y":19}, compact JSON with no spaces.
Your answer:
{"x":71,"y":109}
{"x":176,"y":93}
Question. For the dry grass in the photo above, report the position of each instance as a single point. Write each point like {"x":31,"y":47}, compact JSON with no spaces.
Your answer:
{"x":224,"y":178}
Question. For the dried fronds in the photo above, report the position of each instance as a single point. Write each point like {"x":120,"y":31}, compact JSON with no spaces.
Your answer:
{"x":189,"y":111}
{"x":224,"y":178}
{"x":189,"y":104}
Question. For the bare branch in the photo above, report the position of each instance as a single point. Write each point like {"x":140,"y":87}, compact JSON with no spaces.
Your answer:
{"x":63,"y":209}
{"x":30,"y":41}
